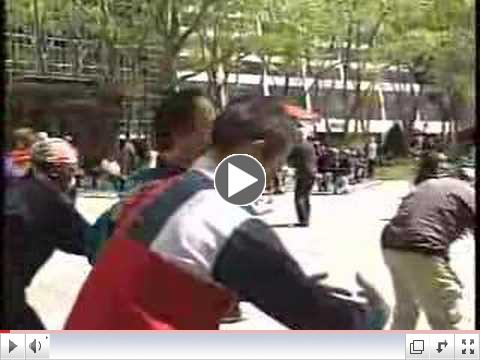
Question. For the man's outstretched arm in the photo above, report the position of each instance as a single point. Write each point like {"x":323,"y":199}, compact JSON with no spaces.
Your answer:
{"x":255,"y":264}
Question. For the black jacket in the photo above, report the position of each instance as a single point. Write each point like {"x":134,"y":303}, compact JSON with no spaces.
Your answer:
{"x":303,"y":159}
{"x":48,"y":222}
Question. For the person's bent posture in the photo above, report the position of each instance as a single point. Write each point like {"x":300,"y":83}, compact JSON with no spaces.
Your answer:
{"x":416,"y":246}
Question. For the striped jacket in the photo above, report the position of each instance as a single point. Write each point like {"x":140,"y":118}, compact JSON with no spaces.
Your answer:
{"x":181,"y":255}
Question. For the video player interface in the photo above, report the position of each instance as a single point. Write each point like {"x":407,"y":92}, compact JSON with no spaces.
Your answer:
{"x":242,"y":345}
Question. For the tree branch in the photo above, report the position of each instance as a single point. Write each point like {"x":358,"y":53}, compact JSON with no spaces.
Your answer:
{"x":208,"y":66}
{"x":195,"y":24}
{"x":323,"y":71}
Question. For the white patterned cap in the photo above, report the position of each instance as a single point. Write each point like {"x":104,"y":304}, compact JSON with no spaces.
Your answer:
{"x":54,"y":151}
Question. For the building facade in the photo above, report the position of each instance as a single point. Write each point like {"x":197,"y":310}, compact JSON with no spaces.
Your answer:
{"x":385,"y":101}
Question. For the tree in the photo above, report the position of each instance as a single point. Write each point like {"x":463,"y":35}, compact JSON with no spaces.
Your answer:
{"x":171,"y":25}
{"x":396,"y":144}
{"x":361,"y":23}
{"x":433,"y":41}
{"x":224,"y":39}
{"x":40,"y":17}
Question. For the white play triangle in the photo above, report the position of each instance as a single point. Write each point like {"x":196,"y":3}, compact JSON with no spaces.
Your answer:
{"x":238,"y":180}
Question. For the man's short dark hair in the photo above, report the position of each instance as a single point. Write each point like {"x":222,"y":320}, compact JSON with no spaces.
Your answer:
{"x":251,"y":118}
{"x":181,"y":113}
{"x":428,"y":167}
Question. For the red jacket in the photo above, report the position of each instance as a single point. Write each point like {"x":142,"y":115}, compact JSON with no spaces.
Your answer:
{"x":133,"y":288}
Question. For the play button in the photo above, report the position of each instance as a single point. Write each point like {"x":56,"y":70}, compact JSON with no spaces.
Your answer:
{"x":11,"y":346}
{"x":240,"y":179}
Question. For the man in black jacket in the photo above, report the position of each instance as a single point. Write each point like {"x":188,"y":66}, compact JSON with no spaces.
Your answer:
{"x":302,"y":158}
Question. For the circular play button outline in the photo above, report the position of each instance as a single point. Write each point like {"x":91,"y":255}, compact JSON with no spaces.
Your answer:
{"x":240,"y":190}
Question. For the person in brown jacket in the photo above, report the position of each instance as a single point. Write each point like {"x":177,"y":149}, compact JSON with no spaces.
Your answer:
{"x":416,"y":246}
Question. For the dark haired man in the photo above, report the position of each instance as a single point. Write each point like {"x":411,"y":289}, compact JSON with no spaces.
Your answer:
{"x":303,"y":159}
{"x":182,"y":127}
{"x":416,"y":246}
{"x":181,"y":255}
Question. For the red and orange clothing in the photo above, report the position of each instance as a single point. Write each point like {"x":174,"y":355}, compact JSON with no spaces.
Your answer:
{"x":21,"y":161}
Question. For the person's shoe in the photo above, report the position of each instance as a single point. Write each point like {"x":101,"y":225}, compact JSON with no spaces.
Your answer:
{"x":302,"y":224}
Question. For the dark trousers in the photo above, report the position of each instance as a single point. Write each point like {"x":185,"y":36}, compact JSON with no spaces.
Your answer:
{"x":303,"y":189}
{"x":371,"y":168}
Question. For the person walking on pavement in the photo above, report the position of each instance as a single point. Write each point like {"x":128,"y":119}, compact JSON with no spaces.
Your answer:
{"x":302,"y":158}
{"x":416,"y":246}
{"x":181,"y":255}
{"x":39,"y":217}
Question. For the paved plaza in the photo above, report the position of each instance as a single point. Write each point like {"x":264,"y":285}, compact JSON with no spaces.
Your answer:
{"x":342,"y":240}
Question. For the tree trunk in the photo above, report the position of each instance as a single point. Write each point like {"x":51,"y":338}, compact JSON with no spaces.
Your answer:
{"x":308,"y":99}
{"x":346,"y":70}
{"x":414,"y":110}
{"x":168,"y":79}
{"x":39,"y":41}
{"x":287,"y":84}
{"x":265,"y":81}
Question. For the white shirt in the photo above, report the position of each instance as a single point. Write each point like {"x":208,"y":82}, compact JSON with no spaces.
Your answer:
{"x":372,"y":151}
{"x":110,"y":167}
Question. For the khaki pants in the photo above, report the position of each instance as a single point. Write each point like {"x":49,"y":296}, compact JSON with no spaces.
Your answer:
{"x":423,"y":282}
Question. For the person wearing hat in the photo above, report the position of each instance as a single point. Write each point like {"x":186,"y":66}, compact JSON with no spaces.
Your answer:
{"x":39,"y":218}
{"x":41,"y":136}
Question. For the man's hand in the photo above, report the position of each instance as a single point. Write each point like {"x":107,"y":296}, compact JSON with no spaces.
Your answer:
{"x":378,"y":310}
{"x":317,"y":278}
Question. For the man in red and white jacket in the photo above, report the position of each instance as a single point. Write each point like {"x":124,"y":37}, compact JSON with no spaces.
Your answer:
{"x":181,"y":255}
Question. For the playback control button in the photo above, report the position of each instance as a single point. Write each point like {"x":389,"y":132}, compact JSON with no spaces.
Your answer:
{"x":13,"y":346}
{"x":37,"y":346}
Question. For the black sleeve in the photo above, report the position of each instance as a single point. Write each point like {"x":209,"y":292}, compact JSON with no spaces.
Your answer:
{"x":292,"y":157}
{"x":310,"y":159}
{"x":70,"y":228}
{"x":257,"y":267}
